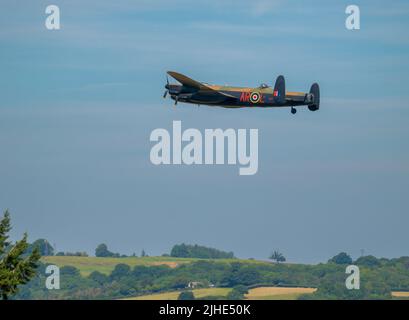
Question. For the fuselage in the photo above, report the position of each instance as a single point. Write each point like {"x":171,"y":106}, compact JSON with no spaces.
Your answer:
{"x":236,"y":97}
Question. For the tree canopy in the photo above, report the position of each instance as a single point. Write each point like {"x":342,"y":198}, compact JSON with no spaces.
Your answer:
{"x":196,"y":251}
{"x":102,"y":251}
{"x":277,"y":256}
{"x":44,"y":247}
{"x":186,"y":295}
{"x":16,"y":266}
{"x":341,"y":258}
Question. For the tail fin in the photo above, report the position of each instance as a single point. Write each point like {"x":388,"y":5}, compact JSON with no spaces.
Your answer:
{"x":315,"y":91}
{"x":279,"y":90}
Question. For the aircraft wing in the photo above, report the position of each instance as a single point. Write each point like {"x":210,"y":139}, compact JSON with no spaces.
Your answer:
{"x":188,"y":82}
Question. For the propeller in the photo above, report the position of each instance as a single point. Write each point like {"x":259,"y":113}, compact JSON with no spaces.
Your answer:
{"x":167,"y":87}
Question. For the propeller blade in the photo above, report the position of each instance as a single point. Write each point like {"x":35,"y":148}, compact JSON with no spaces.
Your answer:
{"x":167,"y":87}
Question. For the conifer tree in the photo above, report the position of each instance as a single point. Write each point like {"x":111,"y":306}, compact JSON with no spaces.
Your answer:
{"x":16,"y":267}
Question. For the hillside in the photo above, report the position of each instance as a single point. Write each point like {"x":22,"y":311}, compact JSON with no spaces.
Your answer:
{"x":86,"y":265}
{"x":165,"y":277}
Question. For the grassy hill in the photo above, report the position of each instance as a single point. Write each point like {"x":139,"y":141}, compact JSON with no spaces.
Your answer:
{"x":86,"y":265}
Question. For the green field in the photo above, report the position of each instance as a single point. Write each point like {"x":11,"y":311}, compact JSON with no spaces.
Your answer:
{"x":262,"y":293}
{"x":173,"y":295}
{"x":86,"y":265}
{"x":277,"y":293}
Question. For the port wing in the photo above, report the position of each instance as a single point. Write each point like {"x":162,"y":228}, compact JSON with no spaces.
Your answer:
{"x":188,"y":82}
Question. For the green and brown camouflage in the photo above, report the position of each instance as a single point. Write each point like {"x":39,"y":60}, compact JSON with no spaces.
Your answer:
{"x":192,"y":91}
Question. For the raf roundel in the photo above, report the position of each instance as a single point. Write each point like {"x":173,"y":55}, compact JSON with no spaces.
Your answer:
{"x":254,"y":97}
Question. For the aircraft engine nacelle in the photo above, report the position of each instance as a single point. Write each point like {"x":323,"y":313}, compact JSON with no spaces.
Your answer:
{"x":185,"y":96}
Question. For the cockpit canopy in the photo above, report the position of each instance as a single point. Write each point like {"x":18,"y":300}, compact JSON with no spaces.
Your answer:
{"x":264,"y":86}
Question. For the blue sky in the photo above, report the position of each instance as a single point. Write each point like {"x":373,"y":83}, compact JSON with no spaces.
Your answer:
{"x":77,"y":107}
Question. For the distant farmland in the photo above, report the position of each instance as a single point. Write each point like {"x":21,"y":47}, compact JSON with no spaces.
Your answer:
{"x":173,"y":295}
{"x":277,"y":293}
{"x":86,"y":265}
{"x":262,"y":293}
{"x":400,"y":294}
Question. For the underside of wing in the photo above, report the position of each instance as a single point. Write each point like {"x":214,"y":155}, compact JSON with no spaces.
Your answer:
{"x":188,"y":82}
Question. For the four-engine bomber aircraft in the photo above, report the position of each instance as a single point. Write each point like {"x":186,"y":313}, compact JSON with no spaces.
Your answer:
{"x":191,"y":91}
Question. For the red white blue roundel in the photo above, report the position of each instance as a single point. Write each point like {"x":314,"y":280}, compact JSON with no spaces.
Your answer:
{"x":255,"y":97}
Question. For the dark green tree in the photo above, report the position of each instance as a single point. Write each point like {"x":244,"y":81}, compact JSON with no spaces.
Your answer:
{"x":196,"y":251}
{"x":237,"y":293}
{"x":341,"y":258}
{"x":121,"y":270}
{"x":368,"y":261}
{"x":16,"y":267}
{"x":45,"y":248}
{"x":69,"y":270}
{"x":102,"y":251}
{"x":186,"y":295}
{"x":277,"y":256}
{"x":180,"y":251}
{"x":99,"y":277}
